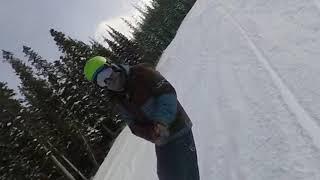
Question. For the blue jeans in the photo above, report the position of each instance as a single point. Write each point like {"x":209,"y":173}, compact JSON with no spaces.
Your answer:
{"x":178,"y":160}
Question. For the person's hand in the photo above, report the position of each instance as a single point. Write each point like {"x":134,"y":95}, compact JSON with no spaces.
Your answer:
{"x":153,"y":132}
{"x":161,"y":131}
{"x":146,"y":131}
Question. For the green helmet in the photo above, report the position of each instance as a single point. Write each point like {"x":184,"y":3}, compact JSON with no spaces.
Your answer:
{"x":93,"y":65}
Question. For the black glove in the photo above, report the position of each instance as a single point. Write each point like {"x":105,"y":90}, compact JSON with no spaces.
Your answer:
{"x":146,"y":131}
{"x":152,"y":132}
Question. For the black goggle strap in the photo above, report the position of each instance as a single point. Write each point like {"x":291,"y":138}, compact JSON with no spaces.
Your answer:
{"x":116,"y":68}
{"x":120,"y":68}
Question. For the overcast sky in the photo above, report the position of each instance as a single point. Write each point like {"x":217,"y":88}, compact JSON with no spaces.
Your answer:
{"x":28,"y":22}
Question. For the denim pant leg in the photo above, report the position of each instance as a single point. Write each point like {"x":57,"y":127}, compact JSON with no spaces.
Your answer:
{"x":177,"y":160}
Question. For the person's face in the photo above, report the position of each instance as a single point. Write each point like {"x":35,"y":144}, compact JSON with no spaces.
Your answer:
{"x":110,"y":79}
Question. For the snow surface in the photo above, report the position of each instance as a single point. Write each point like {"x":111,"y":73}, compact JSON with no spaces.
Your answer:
{"x":247,"y":73}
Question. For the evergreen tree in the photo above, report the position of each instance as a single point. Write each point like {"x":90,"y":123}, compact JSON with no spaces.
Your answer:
{"x":159,"y":25}
{"x":21,"y":155}
{"x":88,"y":106}
{"x":44,"y":111}
{"x":127,"y":51}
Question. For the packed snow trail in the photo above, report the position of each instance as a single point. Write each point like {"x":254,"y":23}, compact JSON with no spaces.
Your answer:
{"x":247,"y":73}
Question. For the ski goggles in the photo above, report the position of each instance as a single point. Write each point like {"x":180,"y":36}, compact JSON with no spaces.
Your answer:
{"x":103,"y":78}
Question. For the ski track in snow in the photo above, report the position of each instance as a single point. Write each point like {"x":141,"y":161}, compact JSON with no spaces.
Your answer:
{"x":252,"y":121}
{"x":304,"y":118}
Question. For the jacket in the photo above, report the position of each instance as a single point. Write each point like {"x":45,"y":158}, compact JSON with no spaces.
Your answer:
{"x":149,"y":99}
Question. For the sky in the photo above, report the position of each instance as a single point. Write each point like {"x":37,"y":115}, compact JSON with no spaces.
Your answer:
{"x":28,"y":23}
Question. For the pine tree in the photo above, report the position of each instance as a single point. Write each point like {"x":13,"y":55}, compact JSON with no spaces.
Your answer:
{"x":88,"y":106}
{"x":160,"y":23}
{"x":21,"y":155}
{"x":45,"y":119}
{"x":8,"y":152}
{"x":125,"y":49}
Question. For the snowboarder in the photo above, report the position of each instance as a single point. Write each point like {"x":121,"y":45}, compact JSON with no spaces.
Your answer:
{"x":148,"y":104}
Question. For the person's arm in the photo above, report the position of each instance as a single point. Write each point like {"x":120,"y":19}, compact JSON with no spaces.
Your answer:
{"x":165,"y":109}
{"x":165,"y":100}
{"x":164,"y":112}
{"x":147,"y":131}
{"x":165,"y":104}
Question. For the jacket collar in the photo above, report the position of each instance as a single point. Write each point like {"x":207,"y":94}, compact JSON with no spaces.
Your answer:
{"x":126,"y":70}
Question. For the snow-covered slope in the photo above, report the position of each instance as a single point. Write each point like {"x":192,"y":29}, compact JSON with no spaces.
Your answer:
{"x":248,"y":74}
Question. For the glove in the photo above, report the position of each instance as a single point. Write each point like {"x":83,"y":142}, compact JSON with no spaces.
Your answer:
{"x":152,"y":132}
{"x":144,"y":130}
{"x":162,"y":132}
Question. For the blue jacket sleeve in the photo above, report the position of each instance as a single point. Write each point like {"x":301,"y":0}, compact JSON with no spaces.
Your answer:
{"x":165,"y":109}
